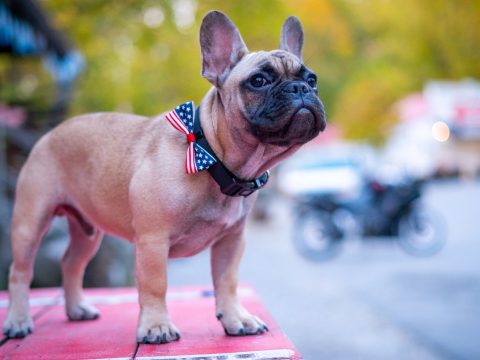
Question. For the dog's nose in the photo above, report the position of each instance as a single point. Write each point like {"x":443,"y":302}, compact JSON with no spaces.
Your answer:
{"x":297,"y":87}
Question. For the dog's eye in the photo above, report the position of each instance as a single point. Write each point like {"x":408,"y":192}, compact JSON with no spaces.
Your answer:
{"x":258,"y":81}
{"x":312,"y":82}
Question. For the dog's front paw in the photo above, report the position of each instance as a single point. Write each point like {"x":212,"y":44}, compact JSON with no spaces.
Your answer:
{"x":160,"y":332}
{"x":82,"y":311}
{"x":17,"y":327}
{"x":237,"y":321}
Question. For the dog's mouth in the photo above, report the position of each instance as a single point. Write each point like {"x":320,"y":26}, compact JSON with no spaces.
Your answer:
{"x":305,"y":118}
{"x":305,"y":123}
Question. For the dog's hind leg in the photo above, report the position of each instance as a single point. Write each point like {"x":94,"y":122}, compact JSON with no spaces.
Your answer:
{"x":84,"y":243}
{"x":32,"y":214}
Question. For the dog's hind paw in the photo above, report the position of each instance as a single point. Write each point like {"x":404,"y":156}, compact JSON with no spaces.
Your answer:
{"x":82,"y":311}
{"x":17,"y":328}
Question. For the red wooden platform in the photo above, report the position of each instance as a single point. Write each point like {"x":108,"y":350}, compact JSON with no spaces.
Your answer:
{"x":113,"y":335}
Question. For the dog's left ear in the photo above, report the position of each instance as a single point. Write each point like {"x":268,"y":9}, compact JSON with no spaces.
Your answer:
{"x":222,"y":47}
{"x":291,"y":39}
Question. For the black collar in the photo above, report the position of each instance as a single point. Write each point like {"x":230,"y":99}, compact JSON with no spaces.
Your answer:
{"x":229,"y":184}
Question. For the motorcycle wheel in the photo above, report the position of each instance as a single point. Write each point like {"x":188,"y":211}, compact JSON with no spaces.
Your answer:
{"x":316,"y":237}
{"x":421,"y":233}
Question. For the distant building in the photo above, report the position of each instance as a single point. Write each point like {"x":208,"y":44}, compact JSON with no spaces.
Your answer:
{"x":439,"y":130}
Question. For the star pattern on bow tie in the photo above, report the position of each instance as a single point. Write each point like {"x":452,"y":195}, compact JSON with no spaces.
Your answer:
{"x":182,"y":118}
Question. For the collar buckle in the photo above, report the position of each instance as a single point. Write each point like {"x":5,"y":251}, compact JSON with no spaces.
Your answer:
{"x":245,"y":188}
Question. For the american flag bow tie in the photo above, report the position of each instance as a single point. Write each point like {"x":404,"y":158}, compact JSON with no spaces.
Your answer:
{"x":182,"y":118}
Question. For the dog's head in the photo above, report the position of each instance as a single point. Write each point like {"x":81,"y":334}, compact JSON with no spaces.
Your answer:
{"x":271,"y":95}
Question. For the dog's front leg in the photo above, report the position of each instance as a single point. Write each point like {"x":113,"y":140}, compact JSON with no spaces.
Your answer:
{"x":151,"y":254}
{"x":225,"y":258}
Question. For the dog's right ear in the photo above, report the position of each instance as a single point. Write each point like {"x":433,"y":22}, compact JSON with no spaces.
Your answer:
{"x":222,"y":47}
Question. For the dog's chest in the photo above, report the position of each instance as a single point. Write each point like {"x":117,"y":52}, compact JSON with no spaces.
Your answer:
{"x":205,"y":225}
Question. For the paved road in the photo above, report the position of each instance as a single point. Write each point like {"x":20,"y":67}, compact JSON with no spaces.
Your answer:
{"x":373,"y":301}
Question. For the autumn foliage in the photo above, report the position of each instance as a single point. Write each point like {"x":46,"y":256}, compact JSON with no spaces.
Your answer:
{"x":144,"y":56}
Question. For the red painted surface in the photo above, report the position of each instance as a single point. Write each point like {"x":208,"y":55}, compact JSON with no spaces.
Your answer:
{"x":113,"y":335}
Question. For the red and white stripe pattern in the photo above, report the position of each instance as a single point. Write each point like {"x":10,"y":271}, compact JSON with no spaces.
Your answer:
{"x":177,"y":123}
{"x":182,"y":118}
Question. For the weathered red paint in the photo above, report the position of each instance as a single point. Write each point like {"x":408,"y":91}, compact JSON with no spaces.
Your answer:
{"x":113,"y":335}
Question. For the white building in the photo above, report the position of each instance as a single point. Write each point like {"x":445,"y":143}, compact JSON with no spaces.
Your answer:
{"x":438,"y":131}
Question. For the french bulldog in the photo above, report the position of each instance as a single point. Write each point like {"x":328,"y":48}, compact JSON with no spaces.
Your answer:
{"x":125,"y":175}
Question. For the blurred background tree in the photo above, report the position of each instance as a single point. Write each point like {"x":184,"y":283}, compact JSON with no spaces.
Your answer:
{"x":143,"y":56}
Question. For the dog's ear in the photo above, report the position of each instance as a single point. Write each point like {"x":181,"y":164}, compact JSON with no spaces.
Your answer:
{"x":291,"y":39}
{"x":222,"y":47}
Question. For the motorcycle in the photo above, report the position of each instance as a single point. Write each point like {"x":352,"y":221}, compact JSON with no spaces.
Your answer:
{"x":325,"y":220}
